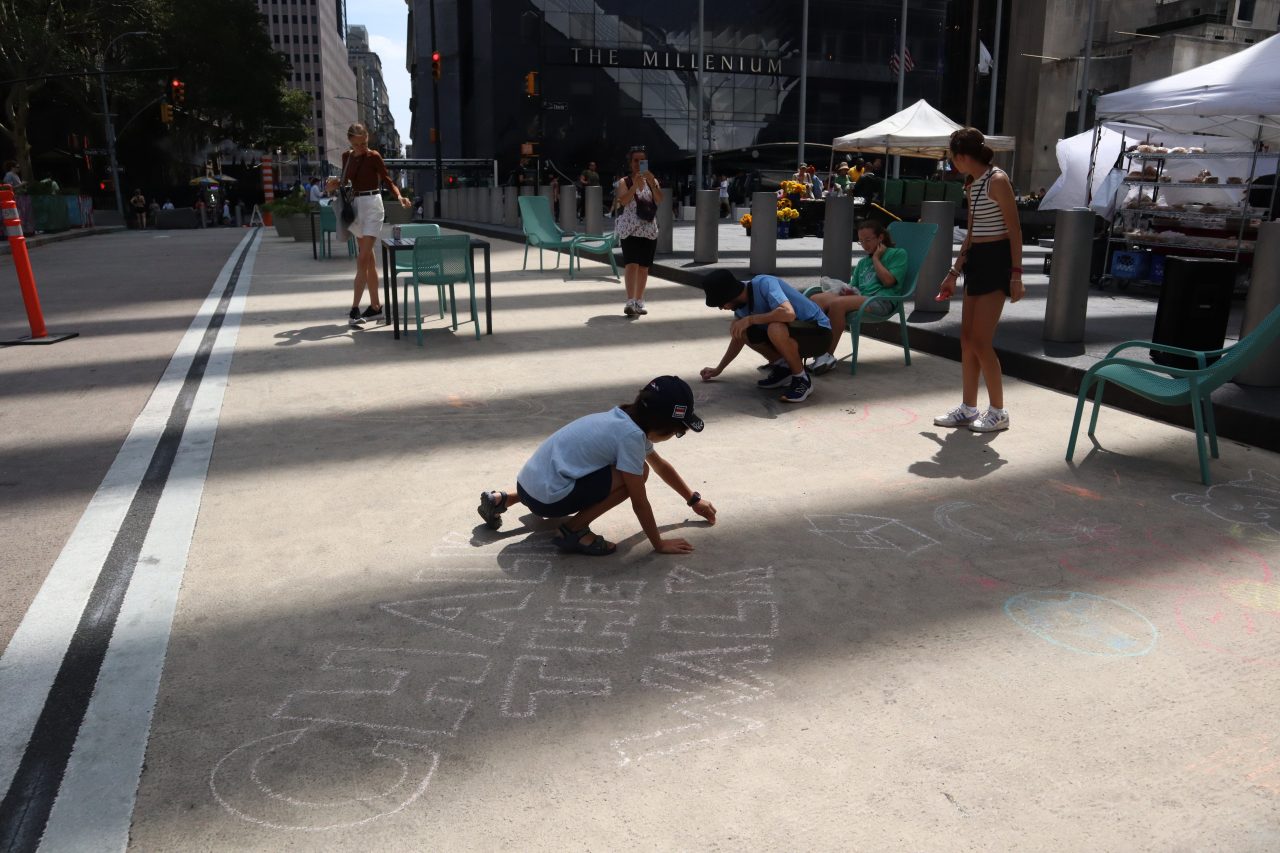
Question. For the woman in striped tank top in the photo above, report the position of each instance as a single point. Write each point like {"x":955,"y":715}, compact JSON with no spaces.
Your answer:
{"x":991,"y":260}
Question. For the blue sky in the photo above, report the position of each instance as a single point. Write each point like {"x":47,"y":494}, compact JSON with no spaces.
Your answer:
{"x":386,"y":21}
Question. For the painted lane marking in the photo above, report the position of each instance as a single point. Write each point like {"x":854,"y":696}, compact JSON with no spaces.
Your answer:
{"x":81,"y":676}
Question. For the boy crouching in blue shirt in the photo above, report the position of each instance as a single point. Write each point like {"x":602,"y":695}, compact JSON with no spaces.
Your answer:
{"x":595,"y":463}
{"x":775,"y":320}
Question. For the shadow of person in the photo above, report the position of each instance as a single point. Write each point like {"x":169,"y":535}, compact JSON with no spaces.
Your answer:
{"x":609,"y":320}
{"x":963,"y":454}
{"x":312,"y":334}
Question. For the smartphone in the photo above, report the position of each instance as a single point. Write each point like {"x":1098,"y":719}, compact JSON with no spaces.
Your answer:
{"x":644,"y":165}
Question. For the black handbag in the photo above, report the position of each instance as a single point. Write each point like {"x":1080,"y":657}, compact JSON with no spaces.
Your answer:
{"x":646,"y":208}
{"x":347,"y":196}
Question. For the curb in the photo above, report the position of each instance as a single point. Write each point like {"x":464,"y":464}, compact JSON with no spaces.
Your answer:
{"x":45,"y":239}
{"x":1234,"y":422}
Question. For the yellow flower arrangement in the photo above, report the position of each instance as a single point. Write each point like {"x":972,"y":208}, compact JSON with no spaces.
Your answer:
{"x":745,"y":221}
{"x":784,"y":203}
{"x":788,"y":214}
{"x":795,"y":188}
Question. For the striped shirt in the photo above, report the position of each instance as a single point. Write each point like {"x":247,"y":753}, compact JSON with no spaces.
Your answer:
{"x":988,"y":221}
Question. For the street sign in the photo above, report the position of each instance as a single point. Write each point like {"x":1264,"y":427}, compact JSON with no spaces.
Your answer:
{"x":555,"y":106}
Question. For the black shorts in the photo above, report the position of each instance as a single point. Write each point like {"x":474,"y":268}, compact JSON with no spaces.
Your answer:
{"x":988,"y":268}
{"x":587,"y":491}
{"x":638,"y":250}
{"x":812,"y":339}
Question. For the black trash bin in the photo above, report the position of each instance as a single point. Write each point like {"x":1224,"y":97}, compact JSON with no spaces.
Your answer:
{"x":1195,"y":303}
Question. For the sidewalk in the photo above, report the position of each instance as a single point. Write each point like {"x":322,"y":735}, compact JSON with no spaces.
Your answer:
{"x":1250,"y":415}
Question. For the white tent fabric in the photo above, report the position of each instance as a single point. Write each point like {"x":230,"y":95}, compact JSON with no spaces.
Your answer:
{"x":1235,"y":96}
{"x":917,"y":131}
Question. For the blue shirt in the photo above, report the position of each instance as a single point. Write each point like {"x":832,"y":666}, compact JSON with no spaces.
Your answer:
{"x":769,"y":292}
{"x":606,"y":439}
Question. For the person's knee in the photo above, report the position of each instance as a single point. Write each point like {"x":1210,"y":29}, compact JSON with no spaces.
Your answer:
{"x":778,"y":332}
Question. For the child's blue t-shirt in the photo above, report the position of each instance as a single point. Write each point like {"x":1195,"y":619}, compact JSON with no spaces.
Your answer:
{"x":769,"y":292}
{"x":575,"y":450}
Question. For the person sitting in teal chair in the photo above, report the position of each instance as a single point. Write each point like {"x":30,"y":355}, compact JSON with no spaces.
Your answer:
{"x":881,"y":271}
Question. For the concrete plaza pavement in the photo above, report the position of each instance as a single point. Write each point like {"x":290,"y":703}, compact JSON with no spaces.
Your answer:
{"x":895,"y":637}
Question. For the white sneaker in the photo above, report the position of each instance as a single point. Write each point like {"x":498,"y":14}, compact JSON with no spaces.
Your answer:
{"x":639,"y":305}
{"x":991,"y":421}
{"x":822,"y":364}
{"x":630,"y":310}
{"x":961,"y":415}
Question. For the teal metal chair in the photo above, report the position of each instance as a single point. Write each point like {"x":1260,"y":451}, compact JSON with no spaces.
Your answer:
{"x":540,"y":229}
{"x":404,"y":262}
{"x":1175,"y":386}
{"x":594,"y":244}
{"x":915,"y":238}
{"x":328,"y":228}
{"x":443,"y":262}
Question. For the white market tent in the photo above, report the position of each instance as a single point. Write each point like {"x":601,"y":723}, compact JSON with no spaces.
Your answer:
{"x":1237,"y":96}
{"x":917,"y":131}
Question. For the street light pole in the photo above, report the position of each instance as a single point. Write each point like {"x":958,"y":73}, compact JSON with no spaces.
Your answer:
{"x":106,"y":116}
{"x":804,"y":75}
{"x":698,"y":154}
{"x":435,"y":108}
{"x":1084,"y":71}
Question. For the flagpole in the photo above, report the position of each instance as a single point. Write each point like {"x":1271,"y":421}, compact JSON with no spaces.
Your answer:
{"x":995,"y":71}
{"x":902,"y":72}
{"x":804,"y":75}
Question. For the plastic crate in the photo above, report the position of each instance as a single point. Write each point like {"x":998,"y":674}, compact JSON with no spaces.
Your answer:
{"x":1155,"y":271}
{"x":1130,"y":266}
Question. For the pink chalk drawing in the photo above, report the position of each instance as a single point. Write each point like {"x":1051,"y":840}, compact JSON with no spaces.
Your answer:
{"x":1158,"y":563}
{"x":1251,"y":505}
{"x":1240,"y":618}
{"x":1253,"y":761}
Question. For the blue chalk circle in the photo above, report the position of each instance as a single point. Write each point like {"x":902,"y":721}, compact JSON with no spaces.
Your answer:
{"x":1083,"y":623}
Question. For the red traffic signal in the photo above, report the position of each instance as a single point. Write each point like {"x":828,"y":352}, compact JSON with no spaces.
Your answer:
{"x":435,"y":64}
{"x":178,"y":91}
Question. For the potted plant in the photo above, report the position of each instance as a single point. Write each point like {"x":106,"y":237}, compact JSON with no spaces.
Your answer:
{"x":786,"y":216}
{"x":279,"y":210}
{"x":745,"y":222}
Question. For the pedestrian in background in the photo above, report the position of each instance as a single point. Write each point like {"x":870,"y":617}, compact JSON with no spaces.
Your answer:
{"x":991,"y":260}
{"x":589,"y":178}
{"x":138,"y":203}
{"x":11,"y":176}
{"x":723,"y":183}
{"x":638,"y":196}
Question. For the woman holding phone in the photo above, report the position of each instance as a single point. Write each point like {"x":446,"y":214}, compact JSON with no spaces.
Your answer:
{"x":639,"y":195}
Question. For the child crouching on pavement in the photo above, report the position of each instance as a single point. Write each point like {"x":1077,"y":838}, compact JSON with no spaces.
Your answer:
{"x":598,"y":461}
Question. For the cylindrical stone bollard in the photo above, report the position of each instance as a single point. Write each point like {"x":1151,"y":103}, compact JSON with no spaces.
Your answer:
{"x":666,"y":225}
{"x":446,"y":204}
{"x":545,"y":192}
{"x":706,"y":227}
{"x":593,"y":210}
{"x":568,"y":209}
{"x":1264,"y":296}
{"x":764,"y":233}
{"x":938,"y":261}
{"x":1068,"y":298}
{"x":495,"y":205}
{"x":528,"y":189}
{"x":510,"y":207}
{"x":473,"y":204}
{"x":837,"y":241}
{"x":429,"y":205}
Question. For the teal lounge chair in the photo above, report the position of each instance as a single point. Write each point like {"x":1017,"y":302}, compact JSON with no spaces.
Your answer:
{"x":404,"y":260}
{"x":594,"y":244}
{"x":443,"y":262}
{"x":915,"y":238}
{"x":540,"y":229}
{"x":1174,"y":386}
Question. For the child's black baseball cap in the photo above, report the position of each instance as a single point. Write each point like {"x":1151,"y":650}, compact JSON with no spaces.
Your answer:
{"x":721,"y":287}
{"x":671,"y":396}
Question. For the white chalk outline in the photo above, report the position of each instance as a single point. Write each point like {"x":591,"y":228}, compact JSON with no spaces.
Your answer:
{"x":868,"y":536}
{"x":562,"y":616}
{"x":756,"y":582}
{"x":297,"y":735}
{"x":740,"y":618}
{"x":509,"y":693}
{"x":463,"y":705}
{"x":390,"y":607}
{"x":612,"y":592}
{"x":1253,"y":481}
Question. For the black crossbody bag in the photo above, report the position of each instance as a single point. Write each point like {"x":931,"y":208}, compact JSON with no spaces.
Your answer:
{"x":347,"y":195}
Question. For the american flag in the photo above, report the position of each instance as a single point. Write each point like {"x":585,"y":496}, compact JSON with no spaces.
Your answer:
{"x":893,"y":62}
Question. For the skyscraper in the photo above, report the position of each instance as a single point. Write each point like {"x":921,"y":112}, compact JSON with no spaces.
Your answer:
{"x":371,"y":92}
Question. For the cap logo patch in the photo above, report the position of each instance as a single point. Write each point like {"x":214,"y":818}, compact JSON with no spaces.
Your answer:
{"x":678,"y":412}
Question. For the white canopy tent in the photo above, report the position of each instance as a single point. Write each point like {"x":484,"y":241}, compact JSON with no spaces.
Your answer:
{"x":917,"y":131}
{"x":1237,"y":96}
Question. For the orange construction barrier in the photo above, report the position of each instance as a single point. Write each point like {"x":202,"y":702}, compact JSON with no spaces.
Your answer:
{"x":268,"y":186}
{"x":26,"y":278}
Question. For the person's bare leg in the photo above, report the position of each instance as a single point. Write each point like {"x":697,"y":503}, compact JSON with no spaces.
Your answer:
{"x":642,"y":279}
{"x":358,"y":282}
{"x":513,"y":496}
{"x":970,"y":366}
{"x":366,"y":259}
{"x":836,"y":307}
{"x":617,"y":494}
{"x":629,"y":276}
{"x":986,"y":315}
{"x":787,"y":348}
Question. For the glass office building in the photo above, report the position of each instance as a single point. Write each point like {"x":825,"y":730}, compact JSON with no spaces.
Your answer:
{"x":609,"y":74}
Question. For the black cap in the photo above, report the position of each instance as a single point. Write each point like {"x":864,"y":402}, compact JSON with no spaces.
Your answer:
{"x":671,"y":396}
{"x":721,"y":287}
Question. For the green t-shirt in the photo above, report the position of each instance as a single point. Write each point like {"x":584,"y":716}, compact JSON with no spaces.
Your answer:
{"x":868,"y":283}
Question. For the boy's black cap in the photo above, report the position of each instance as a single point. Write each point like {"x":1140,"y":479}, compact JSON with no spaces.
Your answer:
{"x":671,"y":397}
{"x":721,"y":286}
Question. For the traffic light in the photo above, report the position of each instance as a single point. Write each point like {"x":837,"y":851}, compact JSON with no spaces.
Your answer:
{"x":435,"y":64}
{"x":435,"y":135}
{"x":166,"y":113}
{"x":177,"y":91}
{"x":531,"y":83}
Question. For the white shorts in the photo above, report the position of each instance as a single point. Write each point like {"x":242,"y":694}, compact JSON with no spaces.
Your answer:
{"x":369,"y":216}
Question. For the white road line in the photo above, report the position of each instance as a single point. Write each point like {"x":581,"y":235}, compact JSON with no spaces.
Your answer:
{"x":34,"y":655}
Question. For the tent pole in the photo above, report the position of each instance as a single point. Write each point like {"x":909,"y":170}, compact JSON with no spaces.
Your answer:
{"x":902,"y":71}
{"x":1084,"y":68}
{"x":995,"y":70}
{"x":973,"y":69}
{"x":1093,"y":162}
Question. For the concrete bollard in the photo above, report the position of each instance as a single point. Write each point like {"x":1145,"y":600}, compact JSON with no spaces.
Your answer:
{"x":429,"y":205}
{"x":495,"y":205}
{"x":473,"y":204}
{"x":593,"y":210}
{"x":545,"y":192}
{"x":837,"y":242}
{"x":666,"y":226}
{"x":1264,"y":296}
{"x":511,"y":207}
{"x":706,"y":227}
{"x":764,"y":233}
{"x":1068,"y":300}
{"x":446,"y":204}
{"x":528,"y":189}
{"x":568,"y":209}
{"x":938,"y":261}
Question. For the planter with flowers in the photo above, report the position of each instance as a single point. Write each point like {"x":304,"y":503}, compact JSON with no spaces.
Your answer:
{"x":745,"y":222}
{"x":786,"y":216}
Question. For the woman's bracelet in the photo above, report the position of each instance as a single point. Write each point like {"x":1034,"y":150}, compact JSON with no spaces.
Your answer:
{"x":955,"y":272}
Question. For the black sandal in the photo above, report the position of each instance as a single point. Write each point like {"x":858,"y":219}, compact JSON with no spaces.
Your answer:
{"x":491,"y":512}
{"x":570,"y":542}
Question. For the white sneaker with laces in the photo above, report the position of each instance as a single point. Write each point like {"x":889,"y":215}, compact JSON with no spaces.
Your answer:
{"x":630,"y":310}
{"x":991,"y":421}
{"x":639,"y":306}
{"x":822,"y":364}
{"x":961,"y":415}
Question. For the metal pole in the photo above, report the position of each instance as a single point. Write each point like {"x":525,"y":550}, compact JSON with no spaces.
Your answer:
{"x":902,"y":72}
{"x":111,"y":138}
{"x":804,"y":76}
{"x":995,"y":70}
{"x":1084,"y":69}
{"x":973,"y":68}
{"x":701,"y":62}
{"x":435,"y":108}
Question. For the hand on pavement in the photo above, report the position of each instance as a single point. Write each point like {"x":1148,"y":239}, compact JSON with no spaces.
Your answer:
{"x":705,"y":509}
{"x":674,"y":546}
{"x":709,"y":373}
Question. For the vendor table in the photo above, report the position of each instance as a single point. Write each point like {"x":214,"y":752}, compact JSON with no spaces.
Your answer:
{"x":390,"y":246}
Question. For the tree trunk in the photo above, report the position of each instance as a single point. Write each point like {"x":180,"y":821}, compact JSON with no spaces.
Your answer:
{"x":17,"y":107}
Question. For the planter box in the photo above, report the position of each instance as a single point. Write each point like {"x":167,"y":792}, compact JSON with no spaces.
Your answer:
{"x":394,"y":214}
{"x":283,"y":227}
{"x":299,"y":227}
